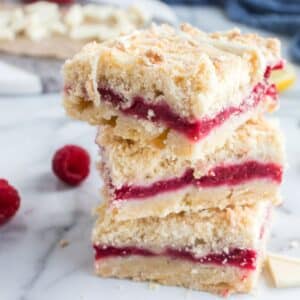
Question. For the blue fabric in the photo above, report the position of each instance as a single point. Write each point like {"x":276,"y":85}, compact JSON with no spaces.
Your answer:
{"x":280,"y":16}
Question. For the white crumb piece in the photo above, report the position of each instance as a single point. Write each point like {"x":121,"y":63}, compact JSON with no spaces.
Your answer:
{"x":226,"y":250}
{"x":224,"y":261}
{"x":194,"y":271}
{"x":117,"y":204}
{"x":64,"y":243}
{"x":151,"y":114}
{"x":211,"y":173}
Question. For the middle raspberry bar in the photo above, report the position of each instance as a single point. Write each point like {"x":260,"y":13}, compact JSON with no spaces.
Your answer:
{"x":141,"y":180}
{"x":195,"y":88}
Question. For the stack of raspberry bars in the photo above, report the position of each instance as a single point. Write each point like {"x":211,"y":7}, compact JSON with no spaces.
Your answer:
{"x":191,"y":168}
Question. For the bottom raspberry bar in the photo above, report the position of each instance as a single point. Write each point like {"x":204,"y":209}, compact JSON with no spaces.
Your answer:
{"x":219,"y":251}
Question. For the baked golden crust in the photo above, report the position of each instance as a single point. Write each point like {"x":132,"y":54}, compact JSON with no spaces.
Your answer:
{"x":195,"y":73}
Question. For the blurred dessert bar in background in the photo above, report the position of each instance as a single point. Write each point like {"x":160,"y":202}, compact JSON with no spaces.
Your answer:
{"x":48,"y":30}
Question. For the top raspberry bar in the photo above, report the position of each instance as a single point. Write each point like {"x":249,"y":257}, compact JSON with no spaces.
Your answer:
{"x":185,"y":81}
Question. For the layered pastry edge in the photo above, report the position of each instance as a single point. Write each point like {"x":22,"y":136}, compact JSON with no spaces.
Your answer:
{"x":200,"y":233}
{"x":110,"y":69}
{"x":214,"y":250}
{"x":143,"y":180}
{"x":161,"y":136}
{"x":192,"y":199}
{"x":129,"y":161}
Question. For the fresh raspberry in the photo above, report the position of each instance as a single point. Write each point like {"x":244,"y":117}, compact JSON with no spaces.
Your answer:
{"x":71,"y":164}
{"x":9,"y":201}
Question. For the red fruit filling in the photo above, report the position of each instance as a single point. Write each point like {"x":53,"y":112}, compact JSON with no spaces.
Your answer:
{"x":71,"y":164}
{"x":223,"y":175}
{"x":242,"y":258}
{"x":9,"y":201}
{"x":194,"y":130}
{"x":269,"y":69}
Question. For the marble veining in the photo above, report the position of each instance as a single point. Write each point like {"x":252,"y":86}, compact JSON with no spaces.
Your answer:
{"x":33,"y":265}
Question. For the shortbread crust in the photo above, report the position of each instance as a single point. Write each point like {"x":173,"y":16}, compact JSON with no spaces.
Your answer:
{"x":218,"y":280}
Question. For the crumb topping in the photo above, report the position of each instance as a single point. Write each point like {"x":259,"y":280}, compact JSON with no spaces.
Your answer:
{"x":196,"y":73}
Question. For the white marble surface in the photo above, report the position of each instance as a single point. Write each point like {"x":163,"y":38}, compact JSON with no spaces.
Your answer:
{"x":32,"y":264}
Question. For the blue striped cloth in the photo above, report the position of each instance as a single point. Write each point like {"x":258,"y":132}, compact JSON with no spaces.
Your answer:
{"x":280,"y":16}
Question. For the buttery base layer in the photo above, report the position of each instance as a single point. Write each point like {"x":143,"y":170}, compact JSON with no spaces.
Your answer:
{"x":192,"y":199}
{"x":222,"y":280}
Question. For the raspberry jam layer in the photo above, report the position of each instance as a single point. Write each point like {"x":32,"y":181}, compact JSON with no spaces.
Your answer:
{"x":269,"y":69}
{"x":194,"y":130}
{"x":222,"y":175}
{"x":242,"y":258}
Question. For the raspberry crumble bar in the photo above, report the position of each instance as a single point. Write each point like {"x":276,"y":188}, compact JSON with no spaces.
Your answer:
{"x":219,"y":251}
{"x":191,"y":168}
{"x":192,"y":87}
{"x":143,"y":181}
